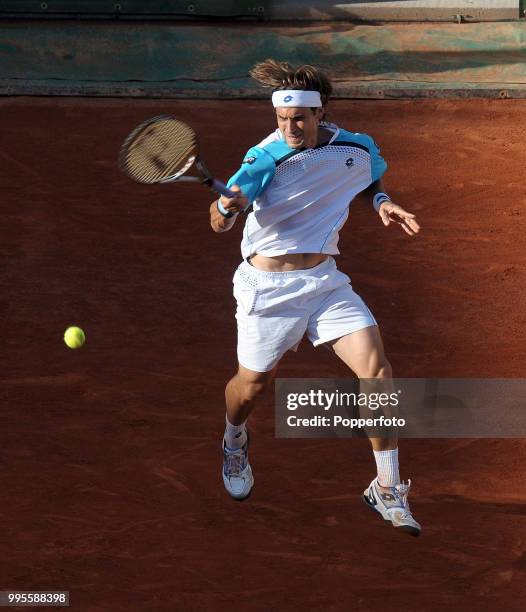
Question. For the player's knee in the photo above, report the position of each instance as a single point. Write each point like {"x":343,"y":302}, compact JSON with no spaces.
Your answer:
{"x":249,"y":391}
{"x":256,"y":388}
{"x":382,"y":369}
{"x":378,"y":368}
{"x":251,"y":385}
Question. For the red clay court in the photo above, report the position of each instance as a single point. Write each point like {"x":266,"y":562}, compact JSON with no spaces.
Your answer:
{"x":111,"y":454}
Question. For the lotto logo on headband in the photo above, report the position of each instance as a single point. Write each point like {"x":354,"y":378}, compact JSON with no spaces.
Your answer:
{"x":296,"y":98}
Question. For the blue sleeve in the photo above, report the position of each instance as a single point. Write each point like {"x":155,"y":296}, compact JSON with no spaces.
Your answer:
{"x":378,"y":164}
{"x":256,"y":173}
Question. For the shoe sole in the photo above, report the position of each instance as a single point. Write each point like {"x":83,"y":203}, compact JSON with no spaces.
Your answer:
{"x":405,"y":528}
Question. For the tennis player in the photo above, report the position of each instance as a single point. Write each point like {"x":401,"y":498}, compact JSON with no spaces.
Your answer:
{"x":299,"y":182}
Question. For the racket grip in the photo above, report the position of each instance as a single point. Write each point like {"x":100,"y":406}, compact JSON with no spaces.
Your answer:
{"x":221,"y":188}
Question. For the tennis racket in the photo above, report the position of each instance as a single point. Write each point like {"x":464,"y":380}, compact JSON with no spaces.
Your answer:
{"x":162,"y":150}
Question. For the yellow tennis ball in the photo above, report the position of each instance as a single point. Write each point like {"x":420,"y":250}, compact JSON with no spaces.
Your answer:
{"x":74,"y":337}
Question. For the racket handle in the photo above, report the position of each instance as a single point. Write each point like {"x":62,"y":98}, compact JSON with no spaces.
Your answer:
{"x":221,"y":188}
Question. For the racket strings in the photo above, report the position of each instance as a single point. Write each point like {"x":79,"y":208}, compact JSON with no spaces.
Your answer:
{"x":161,"y":149}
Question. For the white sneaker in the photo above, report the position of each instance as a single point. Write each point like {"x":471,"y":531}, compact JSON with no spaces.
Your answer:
{"x":392,"y":504}
{"x":237,"y":473}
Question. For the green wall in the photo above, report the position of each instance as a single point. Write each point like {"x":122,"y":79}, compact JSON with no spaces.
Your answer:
{"x":212,"y":60}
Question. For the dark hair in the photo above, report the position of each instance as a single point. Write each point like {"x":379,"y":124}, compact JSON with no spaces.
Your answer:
{"x":280,"y":75}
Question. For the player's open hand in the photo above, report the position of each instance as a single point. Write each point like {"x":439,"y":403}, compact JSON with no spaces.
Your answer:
{"x":237,"y":203}
{"x":392,"y":213}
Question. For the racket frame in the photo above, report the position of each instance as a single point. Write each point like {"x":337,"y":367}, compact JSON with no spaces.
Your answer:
{"x":205,"y":177}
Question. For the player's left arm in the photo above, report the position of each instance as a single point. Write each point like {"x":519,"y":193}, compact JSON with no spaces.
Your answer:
{"x":389,"y":211}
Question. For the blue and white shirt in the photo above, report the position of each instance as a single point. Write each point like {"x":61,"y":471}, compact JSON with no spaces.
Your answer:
{"x":301,"y":198}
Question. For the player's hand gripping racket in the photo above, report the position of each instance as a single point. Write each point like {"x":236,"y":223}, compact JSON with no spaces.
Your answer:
{"x":162,"y":150}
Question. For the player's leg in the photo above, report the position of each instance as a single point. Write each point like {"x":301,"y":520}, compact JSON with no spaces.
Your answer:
{"x":241,"y":393}
{"x":267,"y":328}
{"x":343,"y":321}
{"x":363,"y":352}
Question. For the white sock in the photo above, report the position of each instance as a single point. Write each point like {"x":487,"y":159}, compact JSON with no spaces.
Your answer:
{"x":387,"y":467}
{"x":235,"y":435}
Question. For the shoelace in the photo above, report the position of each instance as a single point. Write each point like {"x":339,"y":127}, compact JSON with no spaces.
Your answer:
{"x":402,"y":491}
{"x":235,"y":462}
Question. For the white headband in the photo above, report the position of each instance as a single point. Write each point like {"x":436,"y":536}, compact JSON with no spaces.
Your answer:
{"x":296,"y":97}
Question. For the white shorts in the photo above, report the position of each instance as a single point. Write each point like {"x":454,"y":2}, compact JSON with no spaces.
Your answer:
{"x":275,"y":309}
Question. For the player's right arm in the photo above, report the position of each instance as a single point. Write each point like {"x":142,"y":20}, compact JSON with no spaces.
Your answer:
{"x":222,"y":222}
{"x":250,"y":181}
